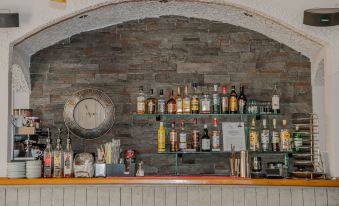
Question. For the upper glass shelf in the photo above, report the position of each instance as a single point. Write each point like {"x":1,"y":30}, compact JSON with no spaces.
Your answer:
{"x":199,"y":115}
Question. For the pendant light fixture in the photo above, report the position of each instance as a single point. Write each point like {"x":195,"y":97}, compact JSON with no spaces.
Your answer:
{"x":321,"y":17}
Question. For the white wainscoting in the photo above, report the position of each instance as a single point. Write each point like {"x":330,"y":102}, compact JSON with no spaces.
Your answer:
{"x":162,"y":195}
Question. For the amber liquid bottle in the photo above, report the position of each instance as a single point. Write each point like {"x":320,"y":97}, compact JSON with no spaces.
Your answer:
{"x":171,"y":105}
{"x":242,"y":101}
{"x":151,"y":103}
{"x":195,"y":101}
{"x":233,"y":101}
{"x":179,"y":102}
{"x":173,"y":136}
{"x":195,"y":136}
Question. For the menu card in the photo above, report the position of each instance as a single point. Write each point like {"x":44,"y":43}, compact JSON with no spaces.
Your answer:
{"x":233,"y":134}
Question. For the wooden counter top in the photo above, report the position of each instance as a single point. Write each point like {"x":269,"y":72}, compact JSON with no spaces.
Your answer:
{"x":180,"y":180}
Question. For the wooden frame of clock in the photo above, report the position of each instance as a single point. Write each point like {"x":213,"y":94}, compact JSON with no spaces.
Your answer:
{"x":103,"y":127}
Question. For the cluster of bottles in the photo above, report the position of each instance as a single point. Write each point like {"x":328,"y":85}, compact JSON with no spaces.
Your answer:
{"x":220,"y":103}
{"x":179,"y":139}
{"x":58,"y":162}
{"x":271,"y":139}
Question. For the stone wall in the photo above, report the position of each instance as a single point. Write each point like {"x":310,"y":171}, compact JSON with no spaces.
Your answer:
{"x":164,"y":53}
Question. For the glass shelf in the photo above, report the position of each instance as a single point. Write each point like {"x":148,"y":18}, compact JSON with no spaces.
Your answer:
{"x":199,"y":115}
{"x":271,"y":152}
{"x":221,"y":152}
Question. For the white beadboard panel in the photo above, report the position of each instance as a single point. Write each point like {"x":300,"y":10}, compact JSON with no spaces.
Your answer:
{"x":193,"y":196}
{"x":182,"y":196}
{"x":69,"y":196}
{"x":285,"y":196}
{"x":92,"y":196}
{"x":11,"y":196}
{"x":126,"y":196}
{"x":148,"y":196}
{"x":137,"y":196}
{"x":114,"y":196}
{"x":297,"y":196}
{"x":227,"y":196}
{"x":309,"y":196}
{"x":250,"y":197}
{"x":262,"y":196}
{"x":160,"y":196}
{"x":320,"y":196}
{"x":205,"y":195}
{"x":273,"y":196}
{"x":239,"y":196}
{"x":103,"y":196}
{"x":333,"y":196}
{"x":171,"y":196}
{"x":57,"y":196}
{"x":35,"y":196}
{"x":80,"y":196}
{"x":23,"y":196}
{"x":216,"y":195}
{"x":46,"y":196}
{"x":2,"y":196}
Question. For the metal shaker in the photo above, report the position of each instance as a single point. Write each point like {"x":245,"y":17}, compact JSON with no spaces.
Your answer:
{"x":244,"y":166}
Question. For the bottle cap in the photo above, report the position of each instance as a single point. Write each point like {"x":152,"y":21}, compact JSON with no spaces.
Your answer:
{"x":205,"y":126}
{"x":224,"y":89}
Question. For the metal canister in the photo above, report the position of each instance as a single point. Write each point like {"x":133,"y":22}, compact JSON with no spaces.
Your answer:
{"x":244,"y":163}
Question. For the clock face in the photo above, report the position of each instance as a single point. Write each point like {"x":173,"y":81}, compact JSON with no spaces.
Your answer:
{"x":89,"y":114}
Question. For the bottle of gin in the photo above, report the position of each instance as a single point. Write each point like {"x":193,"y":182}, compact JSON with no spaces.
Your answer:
{"x":151,"y":103}
{"x":205,"y":141}
{"x":242,"y":101}
{"x":285,"y":137}
{"x":233,"y":101}
{"x":275,"y":138}
{"x":58,"y":158}
{"x":224,"y":100}
{"x":216,"y":100}
{"x":186,"y":102}
{"x":161,"y":103}
{"x":173,"y":138}
{"x":265,"y":136}
{"x":254,"y":137}
{"x":205,"y":101}
{"x":171,"y":104}
{"x":215,"y":136}
{"x":297,"y":139}
{"x":275,"y":99}
{"x":161,"y":138}
{"x":141,"y":101}
{"x":195,"y":101}
{"x":48,"y":157}
{"x":68,"y":158}
{"x":195,"y":136}
{"x":179,"y":102}
{"x":182,"y":137}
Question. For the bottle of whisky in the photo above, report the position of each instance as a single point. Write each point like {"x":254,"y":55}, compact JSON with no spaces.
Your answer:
{"x":242,"y":101}
{"x":173,"y":138}
{"x":58,"y":158}
{"x":68,"y":158}
{"x":161,"y":138}
{"x":205,"y":141}
{"x":182,"y":137}
{"x":186,"y":105}
{"x":161,"y":103}
{"x":151,"y":103}
{"x":285,"y":137}
{"x":48,"y":157}
{"x":205,"y":101}
{"x":179,"y":102}
{"x":216,"y":100}
{"x":275,"y":137}
{"x":141,"y":101}
{"x":171,"y":104}
{"x":265,"y":136}
{"x":254,"y":137}
{"x":224,"y":101}
{"x":195,"y":136}
{"x":215,"y":136}
{"x":233,"y":101}
{"x":275,"y":99}
{"x":195,"y":101}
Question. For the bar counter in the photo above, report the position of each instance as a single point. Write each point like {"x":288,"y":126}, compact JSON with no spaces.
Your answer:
{"x":175,"y":180}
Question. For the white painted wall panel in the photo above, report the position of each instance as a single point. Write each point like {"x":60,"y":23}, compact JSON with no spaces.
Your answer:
{"x":23,"y":196}
{"x":320,"y":196}
{"x":34,"y":197}
{"x":148,"y":196}
{"x":80,"y":196}
{"x":126,"y":196}
{"x":182,"y":196}
{"x":114,"y":196}
{"x":137,"y":196}
{"x":69,"y":196}
{"x":216,"y":195}
{"x":103,"y":196}
{"x":273,"y":196}
{"x":297,"y":196}
{"x":11,"y":196}
{"x":193,"y":196}
{"x":262,"y":196}
{"x":227,"y":196}
{"x":171,"y":196}
{"x":46,"y":196}
{"x":309,"y":196}
{"x":285,"y":196}
{"x":160,"y":196}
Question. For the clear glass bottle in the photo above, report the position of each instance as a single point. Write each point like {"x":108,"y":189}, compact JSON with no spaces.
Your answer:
{"x":205,"y":141}
{"x":48,"y":157}
{"x":186,"y":102}
{"x":216,"y":100}
{"x":195,"y":136}
{"x":297,"y":139}
{"x":254,"y":137}
{"x":68,"y":158}
{"x":265,"y":136}
{"x":215,"y":136}
{"x":161,"y":103}
{"x":224,"y":100}
{"x":58,"y":158}
{"x":233,"y":101}
{"x":275,"y":99}
{"x":161,"y":138}
{"x":195,"y":101}
{"x":151,"y":103}
{"x":205,"y":104}
{"x":285,"y":137}
{"x":171,"y":105}
{"x":179,"y":102}
{"x":242,"y":101}
{"x":173,"y":138}
{"x":182,"y":137}
{"x":275,"y":138}
{"x":141,"y":101}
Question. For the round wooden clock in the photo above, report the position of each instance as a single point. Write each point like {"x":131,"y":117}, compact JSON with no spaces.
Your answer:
{"x":89,"y":113}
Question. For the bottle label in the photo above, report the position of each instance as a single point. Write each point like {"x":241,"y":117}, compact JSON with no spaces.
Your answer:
{"x":170,"y":108}
{"x":68,"y":164}
{"x":205,"y":144}
{"x":242,"y":106}
{"x":183,"y":137}
{"x":179,"y":105}
{"x":275,"y":102}
{"x":151,"y":107}
{"x":182,"y":145}
{"x":254,"y":141}
{"x":275,"y":137}
{"x":224,"y":105}
{"x":285,"y":140}
{"x":233,"y":104}
{"x":161,"y":140}
{"x":265,"y":137}
{"x":47,"y":160}
{"x":174,"y":141}
{"x":205,"y":106}
{"x":186,"y":106}
{"x":195,"y":139}
{"x":141,"y":105}
{"x":195,"y":105}
{"x":215,"y":139}
{"x":161,"y":106}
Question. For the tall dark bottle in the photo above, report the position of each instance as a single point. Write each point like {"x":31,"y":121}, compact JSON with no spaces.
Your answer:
{"x":233,"y":101}
{"x":242,"y":101}
{"x":205,"y":141}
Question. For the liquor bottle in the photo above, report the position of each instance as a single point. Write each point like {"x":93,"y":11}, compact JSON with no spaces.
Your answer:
{"x":58,"y":158}
{"x":233,"y":101}
{"x":161,"y":103}
{"x":275,"y":137}
{"x":254,"y":137}
{"x":186,"y":105}
{"x":275,"y":99}
{"x":265,"y":136}
{"x":182,"y":137}
{"x":216,"y":100}
{"x":285,"y":137}
{"x":205,"y":141}
{"x":68,"y":158}
{"x":195,"y":136}
{"x":242,"y":101}
{"x":179,"y":102}
{"x":195,"y":101}
{"x":224,"y":100}
{"x":151,"y":103}
{"x":171,"y":105}
{"x":48,"y":157}
{"x":141,"y":101}
{"x":173,"y":138}
{"x":215,"y":136}
{"x":205,"y":102}
{"x":297,"y":139}
{"x":161,"y":138}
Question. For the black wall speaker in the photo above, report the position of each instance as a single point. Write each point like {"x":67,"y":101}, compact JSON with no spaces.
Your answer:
{"x":321,"y":17}
{"x":8,"y":20}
